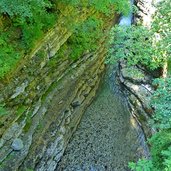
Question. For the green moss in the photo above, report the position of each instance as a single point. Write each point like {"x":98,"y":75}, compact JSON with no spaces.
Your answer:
{"x":29,"y":170}
{"x":133,"y":73}
{"x":141,"y":118}
{"x":3,"y":110}
{"x":52,"y":86}
{"x":41,"y":54}
{"x":20,"y":110}
{"x":28,"y":122}
{"x":40,"y":126}
{"x":169,"y":67}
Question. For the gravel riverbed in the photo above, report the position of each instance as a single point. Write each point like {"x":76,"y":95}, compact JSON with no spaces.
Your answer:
{"x":105,"y":139}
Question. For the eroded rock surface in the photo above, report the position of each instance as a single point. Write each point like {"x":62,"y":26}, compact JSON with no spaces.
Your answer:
{"x":145,"y":12}
{"x":136,"y":83}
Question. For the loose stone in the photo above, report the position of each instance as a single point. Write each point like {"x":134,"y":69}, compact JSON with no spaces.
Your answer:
{"x":17,"y":144}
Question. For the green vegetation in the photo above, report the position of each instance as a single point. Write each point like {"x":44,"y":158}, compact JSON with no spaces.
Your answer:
{"x":29,"y":170}
{"x":135,"y":45}
{"x":22,"y":24}
{"x":21,"y":109}
{"x":150,"y":48}
{"x":161,"y":102}
{"x":85,"y":38}
{"x":162,"y":28}
{"x":160,"y":141}
{"x":105,"y":7}
{"x":86,"y":35}
{"x":3,"y":110}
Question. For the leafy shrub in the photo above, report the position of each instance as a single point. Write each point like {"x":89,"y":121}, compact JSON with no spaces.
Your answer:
{"x":85,"y":37}
{"x":135,"y":45}
{"x":23,"y":10}
{"x":8,"y":55}
{"x":160,"y":141}
{"x":32,"y":18}
{"x":142,"y":165}
{"x":162,"y":28}
{"x":161,"y":102}
{"x":36,"y":22}
{"x":160,"y":154}
{"x":139,"y":45}
{"x":167,"y":158}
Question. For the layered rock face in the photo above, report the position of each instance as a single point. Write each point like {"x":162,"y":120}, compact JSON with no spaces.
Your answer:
{"x":145,"y":12}
{"x":136,"y":83}
{"x":45,"y":99}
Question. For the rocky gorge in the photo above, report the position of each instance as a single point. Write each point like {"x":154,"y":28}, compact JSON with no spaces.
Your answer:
{"x":116,"y":120}
{"x":68,"y":114}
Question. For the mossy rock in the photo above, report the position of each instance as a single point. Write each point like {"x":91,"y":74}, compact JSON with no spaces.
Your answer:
{"x":133,"y":73}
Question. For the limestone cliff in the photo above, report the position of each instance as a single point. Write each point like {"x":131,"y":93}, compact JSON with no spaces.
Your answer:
{"x":45,"y":98}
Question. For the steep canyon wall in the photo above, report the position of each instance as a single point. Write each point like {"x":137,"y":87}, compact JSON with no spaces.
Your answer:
{"x":44,"y":99}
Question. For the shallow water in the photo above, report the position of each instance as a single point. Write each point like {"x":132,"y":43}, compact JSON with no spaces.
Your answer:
{"x":105,"y":140}
{"x":127,"y":20}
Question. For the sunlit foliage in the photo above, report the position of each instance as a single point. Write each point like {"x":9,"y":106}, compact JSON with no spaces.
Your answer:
{"x":135,"y":45}
{"x":24,"y":23}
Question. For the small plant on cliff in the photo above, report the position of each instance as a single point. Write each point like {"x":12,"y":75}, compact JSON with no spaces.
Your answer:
{"x":85,"y":37}
{"x":3,"y":110}
{"x":8,"y":55}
